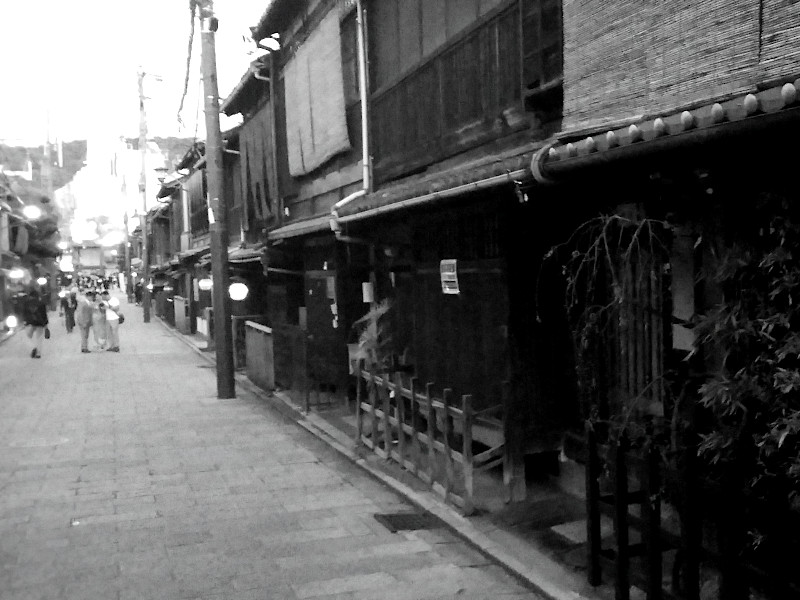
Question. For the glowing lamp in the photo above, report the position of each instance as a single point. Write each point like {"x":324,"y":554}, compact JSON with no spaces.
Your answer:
{"x":205,"y":284}
{"x":16,"y":274}
{"x":150,"y":286}
{"x":62,"y":294}
{"x":238,"y":291}
{"x":63,"y":245}
{"x":11,"y":321}
{"x":41,"y":280}
{"x":32,"y":212}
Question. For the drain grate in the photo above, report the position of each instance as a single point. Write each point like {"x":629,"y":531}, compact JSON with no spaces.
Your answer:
{"x":406,"y":521}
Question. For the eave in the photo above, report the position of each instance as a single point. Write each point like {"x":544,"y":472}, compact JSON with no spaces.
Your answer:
{"x":715,"y":128}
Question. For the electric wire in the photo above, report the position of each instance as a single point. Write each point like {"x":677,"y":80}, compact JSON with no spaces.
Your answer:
{"x":193,"y":12}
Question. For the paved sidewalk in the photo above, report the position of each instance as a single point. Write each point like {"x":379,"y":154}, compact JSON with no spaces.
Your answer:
{"x":122,"y":476}
{"x":541,"y":541}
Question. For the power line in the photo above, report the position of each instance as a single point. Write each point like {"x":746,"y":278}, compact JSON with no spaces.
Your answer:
{"x":193,"y":11}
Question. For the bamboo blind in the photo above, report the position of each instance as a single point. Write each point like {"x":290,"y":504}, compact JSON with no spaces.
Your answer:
{"x":627,"y":58}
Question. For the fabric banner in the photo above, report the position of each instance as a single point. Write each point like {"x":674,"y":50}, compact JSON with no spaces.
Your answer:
{"x":316,"y":124}
{"x":259,"y":189}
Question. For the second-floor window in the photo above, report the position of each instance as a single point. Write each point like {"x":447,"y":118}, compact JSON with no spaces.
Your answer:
{"x":542,"y":41}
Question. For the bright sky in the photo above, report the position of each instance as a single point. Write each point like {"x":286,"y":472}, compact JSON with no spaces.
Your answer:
{"x":78,"y":60}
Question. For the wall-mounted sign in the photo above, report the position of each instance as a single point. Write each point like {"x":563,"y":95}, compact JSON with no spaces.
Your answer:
{"x":367,"y":295}
{"x":448,"y":270}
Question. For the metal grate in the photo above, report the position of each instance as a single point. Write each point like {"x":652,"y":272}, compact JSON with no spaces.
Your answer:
{"x":395,"y":522}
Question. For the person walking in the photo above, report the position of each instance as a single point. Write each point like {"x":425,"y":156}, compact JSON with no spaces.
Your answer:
{"x":83,"y":318}
{"x":68,"y":305}
{"x":99,"y":324}
{"x":112,"y":321}
{"x":35,"y":316}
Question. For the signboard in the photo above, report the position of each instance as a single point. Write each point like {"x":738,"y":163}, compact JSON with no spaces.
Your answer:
{"x":448,"y":270}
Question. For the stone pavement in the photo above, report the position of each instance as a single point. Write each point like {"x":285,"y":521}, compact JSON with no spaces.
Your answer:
{"x":122,"y":476}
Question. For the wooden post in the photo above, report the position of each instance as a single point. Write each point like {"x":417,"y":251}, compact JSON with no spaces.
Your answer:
{"x":431,"y":433}
{"x":466,"y":408}
{"x":691,"y":522}
{"x":359,"y":413}
{"x":447,"y":431}
{"x":387,"y":426}
{"x":513,"y":461}
{"x":373,"y":401}
{"x":593,"y":506}
{"x":415,"y":445}
{"x":622,"y":584}
{"x":651,"y":532}
{"x":401,"y":418}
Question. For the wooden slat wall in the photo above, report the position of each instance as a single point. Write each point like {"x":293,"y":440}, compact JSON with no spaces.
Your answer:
{"x":450,"y":103}
{"x":638,"y":344}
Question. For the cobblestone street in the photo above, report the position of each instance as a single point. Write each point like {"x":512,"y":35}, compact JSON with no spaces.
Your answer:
{"x":123,"y":476}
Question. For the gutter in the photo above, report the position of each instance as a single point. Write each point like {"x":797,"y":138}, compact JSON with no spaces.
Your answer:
{"x":366,"y":177}
{"x":448,"y":193}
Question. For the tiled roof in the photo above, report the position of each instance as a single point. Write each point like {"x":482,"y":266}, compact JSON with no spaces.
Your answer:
{"x":700,"y":123}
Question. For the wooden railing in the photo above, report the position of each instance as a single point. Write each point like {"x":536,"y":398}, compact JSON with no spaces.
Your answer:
{"x":419,"y":431}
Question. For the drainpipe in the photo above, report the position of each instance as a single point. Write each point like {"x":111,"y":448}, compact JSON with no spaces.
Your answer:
{"x":366,"y":177}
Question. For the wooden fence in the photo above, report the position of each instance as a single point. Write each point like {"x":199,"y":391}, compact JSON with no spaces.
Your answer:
{"x":420,"y":433}
{"x":700,"y":503}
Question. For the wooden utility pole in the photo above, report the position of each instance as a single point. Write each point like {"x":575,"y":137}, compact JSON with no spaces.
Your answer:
{"x":128,"y":282}
{"x":223,"y":336}
{"x":143,"y":193}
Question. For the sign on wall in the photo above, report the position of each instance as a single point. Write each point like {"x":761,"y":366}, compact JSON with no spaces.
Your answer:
{"x":448,"y":270}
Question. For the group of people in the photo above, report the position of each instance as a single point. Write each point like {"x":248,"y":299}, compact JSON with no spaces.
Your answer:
{"x":100,"y":314}
{"x":91,"y":312}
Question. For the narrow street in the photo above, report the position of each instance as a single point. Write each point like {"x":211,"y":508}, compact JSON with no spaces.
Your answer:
{"x":122,"y":476}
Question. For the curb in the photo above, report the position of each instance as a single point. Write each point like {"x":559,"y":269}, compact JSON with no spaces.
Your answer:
{"x":543,"y":583}
{"x":8,"y":336}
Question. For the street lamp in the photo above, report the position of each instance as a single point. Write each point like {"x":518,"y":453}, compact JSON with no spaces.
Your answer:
{"x":16,"y":274}
{"x":42,"y":281}
{"x":32,"y":212}
{"x":238,"y":291}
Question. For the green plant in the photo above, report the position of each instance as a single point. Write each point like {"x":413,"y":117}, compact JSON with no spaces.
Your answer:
{"x":375,"y":346}
{"x":610,"y":267}
{"x":753,"y":396}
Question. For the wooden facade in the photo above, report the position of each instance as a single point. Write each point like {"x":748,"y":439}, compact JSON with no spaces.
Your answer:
{"x":487,"y":70}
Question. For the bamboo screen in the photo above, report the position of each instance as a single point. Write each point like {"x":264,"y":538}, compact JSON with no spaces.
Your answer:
{"x":623,"y":59}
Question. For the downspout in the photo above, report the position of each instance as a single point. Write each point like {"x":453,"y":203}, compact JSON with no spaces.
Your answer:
{"x":366,"y":177}
{"x":273,"y":113}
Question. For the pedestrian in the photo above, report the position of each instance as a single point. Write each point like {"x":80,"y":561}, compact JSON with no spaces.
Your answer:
{"x":68,"y":305}
{"x":99,"y":324}
{"x":35,"y":316}
{"x":137,"y":292}
{"x":83,"y":318}
{"x":112,"y":321}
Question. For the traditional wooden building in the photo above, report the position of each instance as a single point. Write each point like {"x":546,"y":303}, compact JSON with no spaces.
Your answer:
{"x":669,"y":118}
{"x":384,"y":172}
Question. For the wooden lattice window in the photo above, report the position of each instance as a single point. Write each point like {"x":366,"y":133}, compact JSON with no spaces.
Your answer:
{"x":542,"y":45}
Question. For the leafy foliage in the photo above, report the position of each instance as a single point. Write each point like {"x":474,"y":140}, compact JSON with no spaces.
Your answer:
{"x":375,"y":345}
{"x":753,"y":397}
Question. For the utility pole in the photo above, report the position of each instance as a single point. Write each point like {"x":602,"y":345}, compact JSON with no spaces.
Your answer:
{"x":128,"y":282}
{"x":223,"y":337}
{"x":143,"y":193}
{"x":47,"y":168}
